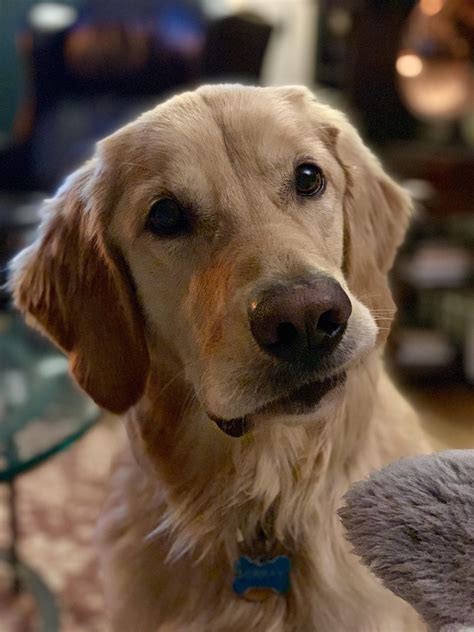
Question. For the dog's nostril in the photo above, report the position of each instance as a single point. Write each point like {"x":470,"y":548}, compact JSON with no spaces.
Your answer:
{"x":287,"y":334}
{"x":329,"y":323}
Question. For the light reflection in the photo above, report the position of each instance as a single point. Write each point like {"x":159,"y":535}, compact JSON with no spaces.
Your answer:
{"x":52,"y":16}
{"x":52,"y":366}
{"x":431,"y":7}
{"x":409,"y":65}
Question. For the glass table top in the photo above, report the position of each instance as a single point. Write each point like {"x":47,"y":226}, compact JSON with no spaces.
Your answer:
{"x":42,"y":411}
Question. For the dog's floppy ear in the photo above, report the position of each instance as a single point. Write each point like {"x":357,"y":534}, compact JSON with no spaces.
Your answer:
{"x":376,"y":216}
{"x":74,"y":288}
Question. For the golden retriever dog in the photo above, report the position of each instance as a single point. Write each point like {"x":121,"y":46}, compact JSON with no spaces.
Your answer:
{"x":218,"y":273}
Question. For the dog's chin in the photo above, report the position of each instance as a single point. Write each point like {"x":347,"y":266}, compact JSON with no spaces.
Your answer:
{"x":296,"y":407}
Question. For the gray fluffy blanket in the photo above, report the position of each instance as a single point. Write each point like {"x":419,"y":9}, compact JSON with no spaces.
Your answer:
{"x":412,"y":523}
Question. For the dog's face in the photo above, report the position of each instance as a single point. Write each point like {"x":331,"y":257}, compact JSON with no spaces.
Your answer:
{"x":242,"y":234}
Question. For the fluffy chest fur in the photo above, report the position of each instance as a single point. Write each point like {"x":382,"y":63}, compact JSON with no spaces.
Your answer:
{"x":168,"y":534}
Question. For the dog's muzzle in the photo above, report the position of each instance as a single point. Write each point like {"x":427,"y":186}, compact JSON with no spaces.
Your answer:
{"x":298,"y":402}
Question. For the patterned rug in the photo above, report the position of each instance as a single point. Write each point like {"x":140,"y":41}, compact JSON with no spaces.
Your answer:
{"x":58,"y":506}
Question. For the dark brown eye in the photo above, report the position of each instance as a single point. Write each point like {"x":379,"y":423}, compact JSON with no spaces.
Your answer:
{"x":166,"y":217}
{"x":309,"y":179}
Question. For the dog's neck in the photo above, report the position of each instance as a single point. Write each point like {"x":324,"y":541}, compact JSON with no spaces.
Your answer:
{"x":214,"y":482}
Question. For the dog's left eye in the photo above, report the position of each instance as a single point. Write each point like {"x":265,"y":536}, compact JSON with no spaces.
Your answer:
{"x":166,"y":217}
{"x":309,"y":179}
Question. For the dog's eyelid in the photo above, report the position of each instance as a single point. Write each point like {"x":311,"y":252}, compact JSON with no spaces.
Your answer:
{"x":186,"y":202}
{"x":303,"y":159}
{"x":160,"y":195}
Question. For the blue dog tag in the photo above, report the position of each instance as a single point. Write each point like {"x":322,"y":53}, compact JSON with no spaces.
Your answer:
{"x":254,"y":577}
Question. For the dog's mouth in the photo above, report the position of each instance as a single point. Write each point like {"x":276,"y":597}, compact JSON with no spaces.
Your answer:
{"x":301,"y":401}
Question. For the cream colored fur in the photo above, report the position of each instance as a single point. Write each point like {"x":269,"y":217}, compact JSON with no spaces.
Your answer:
{"x":158,"y":328}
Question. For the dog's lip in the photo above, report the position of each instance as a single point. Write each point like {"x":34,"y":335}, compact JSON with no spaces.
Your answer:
{"x":233,"y":427}
{"x":300,"y":401}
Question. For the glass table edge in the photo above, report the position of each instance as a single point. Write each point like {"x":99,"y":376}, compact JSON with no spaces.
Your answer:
{"x":10,"y":473}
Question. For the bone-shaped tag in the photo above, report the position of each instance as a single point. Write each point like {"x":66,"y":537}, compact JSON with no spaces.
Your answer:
{"x":254,"y":579}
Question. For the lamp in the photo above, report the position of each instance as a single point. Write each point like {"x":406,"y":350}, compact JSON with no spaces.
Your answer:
{"x":435,"y":70}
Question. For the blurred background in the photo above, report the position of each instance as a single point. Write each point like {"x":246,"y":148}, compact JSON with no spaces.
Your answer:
{"x":75,"y":70}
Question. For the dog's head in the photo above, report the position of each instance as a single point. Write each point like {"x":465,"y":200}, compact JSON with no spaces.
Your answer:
{"x":242,"y":235}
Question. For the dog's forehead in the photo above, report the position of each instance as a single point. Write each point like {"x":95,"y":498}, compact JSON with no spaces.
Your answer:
{"x":248,"y":126}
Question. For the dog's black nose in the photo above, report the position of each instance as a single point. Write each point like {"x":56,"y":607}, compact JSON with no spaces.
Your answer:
{"x":300,"y":321}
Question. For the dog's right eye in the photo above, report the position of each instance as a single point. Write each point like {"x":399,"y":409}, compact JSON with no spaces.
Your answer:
{"x":166,"y":217}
